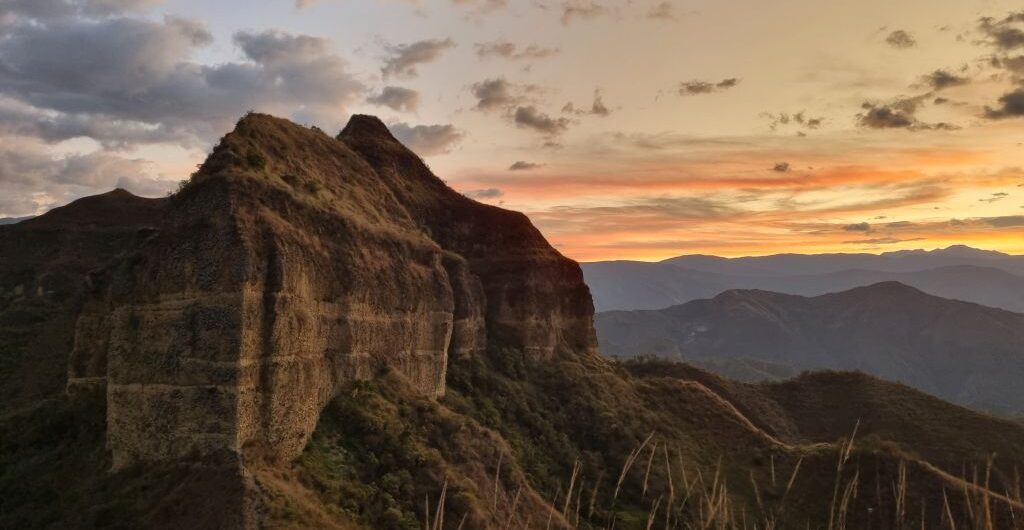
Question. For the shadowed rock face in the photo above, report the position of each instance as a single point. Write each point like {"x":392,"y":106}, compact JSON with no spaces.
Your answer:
{"x":294,"y":262}
{"x":49,"y":266}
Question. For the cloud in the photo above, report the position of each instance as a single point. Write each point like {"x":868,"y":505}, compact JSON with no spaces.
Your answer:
{"x":581,"y":10}
{"x":800,"y":120}
{"x":397,"y":98}
{"x":886,"y":116}
{"x":597,"y":108}
{"x":1011,"y":105}
{"x":941,"y":79}
{"x":882,"y":241}
{"x":662,"y":11}
{"x":995,"y":197}
{"x":898,"y":114}
{"x":781,"y":167}
{"x":1006,"y":221}
{"x":520,"y":165}
{"x":1013,"y":64}
{"x":139,"y":85}
{"x":530,"y":117}
{"x":900,"y":39}
{"x":498,"y":94}
{"x":403,"y":59}
{"x":482,"y":7}
{"x":693,"y":88}
{"x":52,"y":10}
{"x":639,"y":213}
{"x":1004,"y":34}
{"x":34,"y":180}
{"x":487,"y":193}
{"x":508,"y":50}
{"x":426,"y":140}
{"x":857,"y":227}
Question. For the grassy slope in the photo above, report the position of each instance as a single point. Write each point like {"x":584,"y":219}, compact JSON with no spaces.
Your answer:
{"x":721,"y":452}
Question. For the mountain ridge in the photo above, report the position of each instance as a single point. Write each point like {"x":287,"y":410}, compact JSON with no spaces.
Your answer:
{"x":962,"y":351}
{"x":631,"y":285}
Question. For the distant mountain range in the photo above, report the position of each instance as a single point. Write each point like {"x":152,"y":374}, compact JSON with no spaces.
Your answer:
{"x":958,"y":272}
{"x":12,"y":220}
{"x":964,"y":352}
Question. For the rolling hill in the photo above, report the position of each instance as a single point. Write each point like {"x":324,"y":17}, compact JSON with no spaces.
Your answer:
{"x":964,"y":352}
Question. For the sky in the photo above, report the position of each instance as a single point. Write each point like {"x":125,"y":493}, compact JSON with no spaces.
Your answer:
{"x":625,"y":130}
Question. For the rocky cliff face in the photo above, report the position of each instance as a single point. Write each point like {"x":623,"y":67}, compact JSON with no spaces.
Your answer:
{"x":294,"y":262}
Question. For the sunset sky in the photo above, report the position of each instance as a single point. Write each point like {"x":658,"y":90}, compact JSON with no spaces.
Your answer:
{"x":625,"y":130}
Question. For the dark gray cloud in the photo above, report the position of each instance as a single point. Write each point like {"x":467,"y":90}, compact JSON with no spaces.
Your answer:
{"x":397,"y":98}
{"x":520,"y":165}
{"x":781,"y":167}
{"x":137,"y":78}
{"x":82,"y":69}
{"x":899,"y":114}
{"x":1011,"y":105}
{"x":693,"y":88}
{"x":574,"y":10}
{"x":900,"y":39}
{"x":487,"y":193}
{"x":481,"y":7}
{"x":886,"y":116}
{"x":1012,"y":64}
{"x":426,"y":140}
{"x":800,"y":120}
{"x":509,"y":50}
{"x":662,"y":11}
{"x":499,"y":94}
{"x":995,"y":197}
{"x":1004,"y":34}
{"x":1006,"y":221}
{"x":13,"y":11}
{"x":403,"y":59}
{"x":596,"y":108}
{"x":942,"y":79}
{"x":882,"y":241}
{"x":530,"y":117}
{"x":857,"y":227}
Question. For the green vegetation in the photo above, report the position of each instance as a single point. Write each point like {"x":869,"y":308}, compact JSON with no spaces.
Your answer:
{"x":591,"y":446}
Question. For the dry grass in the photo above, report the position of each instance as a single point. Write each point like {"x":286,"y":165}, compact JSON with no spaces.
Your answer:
{"x":687,"y":500}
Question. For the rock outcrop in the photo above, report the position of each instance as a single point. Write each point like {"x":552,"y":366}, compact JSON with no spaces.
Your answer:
{"x":294,"y":262}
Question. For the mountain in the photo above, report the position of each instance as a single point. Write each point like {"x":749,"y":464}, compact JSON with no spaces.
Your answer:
{"x":963,"y":352}
{"x":630,"y":285}
{"x":12,"y":220}
{"x":898,"y":261}
{"x":316,"y":332}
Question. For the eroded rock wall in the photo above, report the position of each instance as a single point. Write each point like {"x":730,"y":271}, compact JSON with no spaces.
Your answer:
{"x":293,"y":263}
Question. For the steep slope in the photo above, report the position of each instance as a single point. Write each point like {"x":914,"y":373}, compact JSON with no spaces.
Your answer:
{"x":631,"y":285}
{"x":317,"y":333}
{"x":963,"y":352}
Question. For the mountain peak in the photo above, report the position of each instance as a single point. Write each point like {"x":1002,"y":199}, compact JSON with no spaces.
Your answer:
{"x":365,"y":126}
